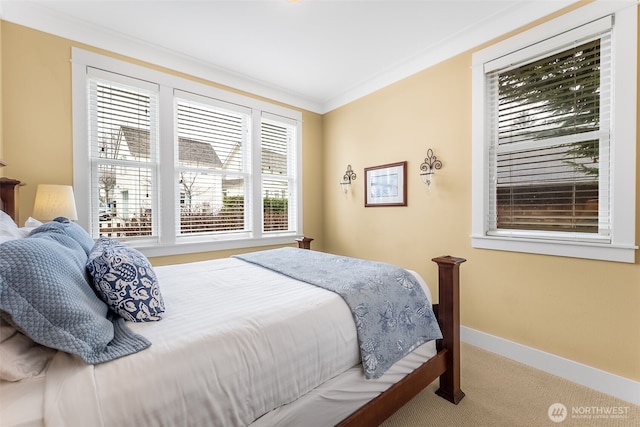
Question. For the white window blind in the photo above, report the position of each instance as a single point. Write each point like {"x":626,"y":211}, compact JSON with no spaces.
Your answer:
{"x":278,"y":168}
{"x":554,"y":137}
{"x":212,"y":158}
{"x":123,"y":140}
{"x":549,"y":126}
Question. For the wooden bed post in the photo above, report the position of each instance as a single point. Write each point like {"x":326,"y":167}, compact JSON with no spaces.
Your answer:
{"x":304,"y":242}
{"x":9,"y":197}
{"x":449,"y":319}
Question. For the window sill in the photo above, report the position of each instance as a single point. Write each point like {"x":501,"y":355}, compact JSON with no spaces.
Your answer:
{"x":596,"y":251}
{"x":157,"y":249}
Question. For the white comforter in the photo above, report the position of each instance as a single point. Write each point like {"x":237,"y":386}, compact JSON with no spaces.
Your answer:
{"x":236,"y":341}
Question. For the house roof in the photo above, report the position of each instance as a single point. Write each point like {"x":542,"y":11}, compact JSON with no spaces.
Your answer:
{"x":189,"y":150}
{"x":194,"y":152}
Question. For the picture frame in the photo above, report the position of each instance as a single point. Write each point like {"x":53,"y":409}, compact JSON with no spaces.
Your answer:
{"x":386,"y":185}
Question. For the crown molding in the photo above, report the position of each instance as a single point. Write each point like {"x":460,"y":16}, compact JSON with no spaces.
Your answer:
{"x":40,"y":18}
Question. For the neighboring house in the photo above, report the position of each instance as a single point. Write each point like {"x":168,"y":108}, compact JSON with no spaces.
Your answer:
{"x":133,"y":144}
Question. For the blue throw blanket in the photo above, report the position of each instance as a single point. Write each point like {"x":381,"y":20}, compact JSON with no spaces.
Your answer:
{"x":391,"y":311}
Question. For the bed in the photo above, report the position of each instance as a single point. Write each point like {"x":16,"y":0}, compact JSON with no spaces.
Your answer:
{"x":213,"y":371}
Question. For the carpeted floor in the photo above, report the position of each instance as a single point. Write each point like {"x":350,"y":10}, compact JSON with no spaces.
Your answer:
{"x":501,"y":392}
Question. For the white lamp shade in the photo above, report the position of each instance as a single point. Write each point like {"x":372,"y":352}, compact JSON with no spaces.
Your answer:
{"x":53,"y":201}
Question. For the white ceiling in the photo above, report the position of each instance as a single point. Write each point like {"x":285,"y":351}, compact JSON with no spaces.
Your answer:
{"x":313,"y":54}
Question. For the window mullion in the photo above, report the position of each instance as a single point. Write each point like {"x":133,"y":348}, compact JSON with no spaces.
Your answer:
{"x":256,"y":172}
{"x":165,"y":169}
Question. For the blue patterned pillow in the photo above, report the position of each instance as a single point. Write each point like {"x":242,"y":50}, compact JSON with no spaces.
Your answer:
{"x":125,"y":280}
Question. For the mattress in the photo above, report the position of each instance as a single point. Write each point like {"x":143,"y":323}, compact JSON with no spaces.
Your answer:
{"x":226,"y":323}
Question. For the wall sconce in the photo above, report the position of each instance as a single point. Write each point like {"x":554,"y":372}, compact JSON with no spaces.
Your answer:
{"x":348,"y":176}
{"x":53,"y":201}
{"x":427,"y":168}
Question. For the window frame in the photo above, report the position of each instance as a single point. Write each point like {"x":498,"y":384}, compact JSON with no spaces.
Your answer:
{"x":622,"y":245}
{"x":167,"y":242}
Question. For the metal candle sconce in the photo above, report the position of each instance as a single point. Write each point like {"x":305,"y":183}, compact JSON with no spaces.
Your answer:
{"x":348,"y":176}
{"x":428,"y":167}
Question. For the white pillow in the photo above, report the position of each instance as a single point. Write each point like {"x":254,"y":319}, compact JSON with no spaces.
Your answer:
{"x":6,"y":331}
{"x":30,"y":225}
{"x":8,"y":229}
{"x":21,"y":357}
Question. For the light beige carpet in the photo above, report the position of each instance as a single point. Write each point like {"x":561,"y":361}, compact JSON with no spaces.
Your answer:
{"x":501,"y":392}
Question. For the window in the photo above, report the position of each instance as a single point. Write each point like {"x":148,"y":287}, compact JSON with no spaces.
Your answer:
{"x":172,"y":166}
{"x":212,"y":147}
{"x":123,"y":140}
{"x":278,"y":167}
{"x":549,"y":140}
{"x":554,"y":142}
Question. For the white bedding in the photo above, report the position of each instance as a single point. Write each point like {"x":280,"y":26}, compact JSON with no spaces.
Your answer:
{"x":226,"y":324}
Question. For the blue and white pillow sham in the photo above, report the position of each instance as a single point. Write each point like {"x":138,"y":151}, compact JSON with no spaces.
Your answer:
{"x":125,"y":280}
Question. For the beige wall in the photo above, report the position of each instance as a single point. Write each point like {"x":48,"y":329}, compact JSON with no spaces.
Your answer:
{"x":1,"y":140}
{"x":37,"y":131}
{"x":586,"y":311}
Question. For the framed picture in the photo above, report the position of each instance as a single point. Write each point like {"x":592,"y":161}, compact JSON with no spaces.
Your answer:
{"x":386,"y":185}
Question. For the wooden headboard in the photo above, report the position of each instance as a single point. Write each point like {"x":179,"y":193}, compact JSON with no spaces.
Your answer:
{"x":9,"y":197}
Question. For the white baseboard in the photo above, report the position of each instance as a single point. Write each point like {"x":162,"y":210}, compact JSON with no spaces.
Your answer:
{"x":602,"y":381}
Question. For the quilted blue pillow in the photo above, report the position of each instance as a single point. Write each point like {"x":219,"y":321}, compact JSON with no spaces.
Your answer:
{"x":62,"y":225}
{"x":45,"y":293}
{"x":125,"y":280}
